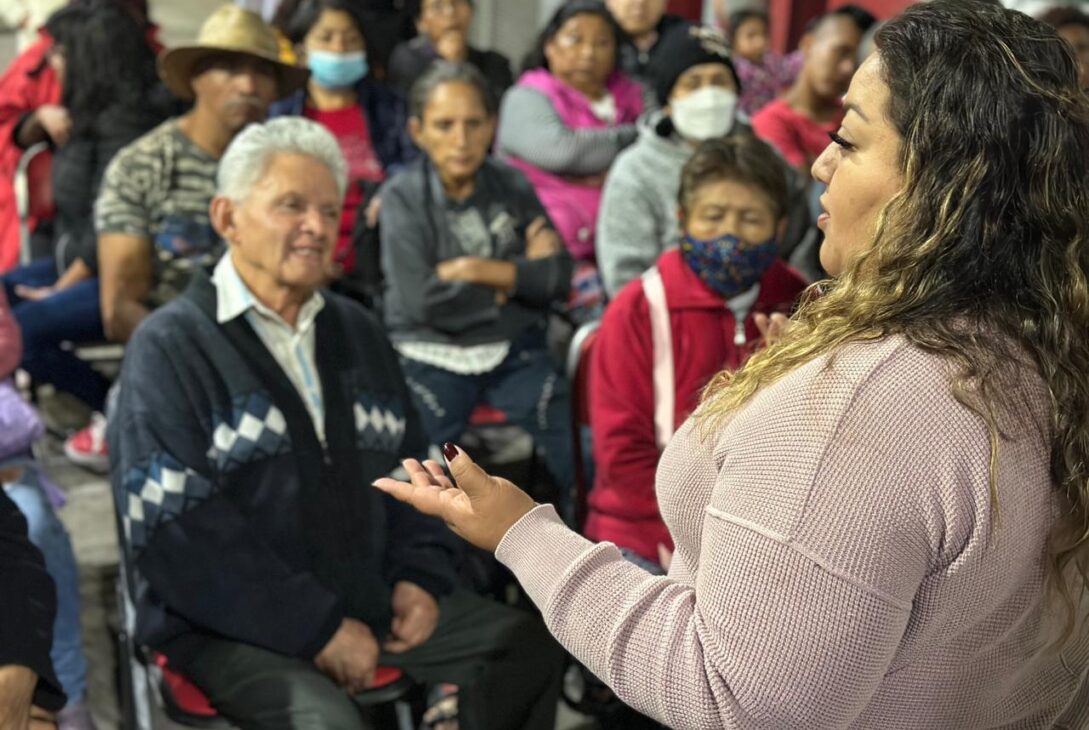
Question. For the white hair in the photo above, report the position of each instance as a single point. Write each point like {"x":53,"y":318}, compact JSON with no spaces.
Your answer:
{"x":252,"y":151}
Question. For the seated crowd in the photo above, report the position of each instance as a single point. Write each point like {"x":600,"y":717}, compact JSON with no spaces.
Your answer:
{"x":322,"y":259}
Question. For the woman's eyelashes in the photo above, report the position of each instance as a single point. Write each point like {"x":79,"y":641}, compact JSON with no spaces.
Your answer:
{"x":840,"y":141}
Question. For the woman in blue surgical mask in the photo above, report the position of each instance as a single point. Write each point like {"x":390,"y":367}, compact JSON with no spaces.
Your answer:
{"x":366,"y":116}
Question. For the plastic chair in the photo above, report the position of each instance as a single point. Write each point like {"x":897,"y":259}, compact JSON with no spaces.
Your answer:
{"x":33,"y":193}
{"x":579,"y":356}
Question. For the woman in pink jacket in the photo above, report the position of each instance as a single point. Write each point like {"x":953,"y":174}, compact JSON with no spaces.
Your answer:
{"x":564,"y":122}
{"x":881,"y":521}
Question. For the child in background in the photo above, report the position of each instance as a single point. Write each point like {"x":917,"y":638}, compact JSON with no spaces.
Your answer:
{"x":764,"y":73}
{"x":703,"y":308}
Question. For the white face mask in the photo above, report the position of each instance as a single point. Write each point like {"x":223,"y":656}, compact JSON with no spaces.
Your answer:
{"x":704,"y":114}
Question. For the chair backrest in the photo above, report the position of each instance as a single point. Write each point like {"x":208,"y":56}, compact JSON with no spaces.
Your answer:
{"x":578,"y":373}
{"x":33,"y":193}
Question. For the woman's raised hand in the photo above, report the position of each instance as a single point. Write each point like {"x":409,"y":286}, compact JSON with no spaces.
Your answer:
{"x":477,"y":506}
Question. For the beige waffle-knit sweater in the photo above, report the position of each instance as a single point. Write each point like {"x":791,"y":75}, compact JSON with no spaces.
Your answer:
{"x":838,"y":564}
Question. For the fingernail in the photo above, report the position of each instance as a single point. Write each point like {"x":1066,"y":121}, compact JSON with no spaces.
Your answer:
{"x":449,"y":451}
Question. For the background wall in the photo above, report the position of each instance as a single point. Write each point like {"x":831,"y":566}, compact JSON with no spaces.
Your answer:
{"x":511,"y":25}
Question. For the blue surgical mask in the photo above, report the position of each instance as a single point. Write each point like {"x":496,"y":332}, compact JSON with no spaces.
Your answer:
{"x":726,"y":265}
{"x":336,"y":70}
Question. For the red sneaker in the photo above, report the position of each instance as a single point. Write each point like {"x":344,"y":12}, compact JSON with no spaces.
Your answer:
{"x":87,"y":447}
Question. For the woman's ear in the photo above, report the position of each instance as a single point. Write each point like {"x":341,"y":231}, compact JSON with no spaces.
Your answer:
{"x":300,"y":53}
{"x":781,"y":230}
{"x":549,"y":52}
{"x":681,"y":220}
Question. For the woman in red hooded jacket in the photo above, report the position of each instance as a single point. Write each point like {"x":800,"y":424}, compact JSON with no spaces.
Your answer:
{"x":666,"y":334}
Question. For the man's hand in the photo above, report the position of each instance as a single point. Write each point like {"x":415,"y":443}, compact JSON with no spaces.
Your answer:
{"x":56,"y":122}
{"x":452,"y":46}
{"x":415,"y":614}
{"x":542,"y":240}
{"x":17,"y":685}
{"x":350,"y":656}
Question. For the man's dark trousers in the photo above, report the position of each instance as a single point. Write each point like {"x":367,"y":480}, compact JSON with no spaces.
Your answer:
{"x":507,"y":665}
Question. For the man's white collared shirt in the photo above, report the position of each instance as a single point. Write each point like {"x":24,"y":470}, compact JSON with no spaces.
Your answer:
{"x":292,"y":347}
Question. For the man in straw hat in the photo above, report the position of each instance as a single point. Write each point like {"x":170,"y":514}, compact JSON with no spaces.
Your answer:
{"x":151,"y":216}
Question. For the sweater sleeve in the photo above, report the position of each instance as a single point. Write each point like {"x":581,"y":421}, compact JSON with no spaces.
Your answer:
{"x":539,"y":282}
{"x":197,"y":551}
{"x":629,"y":238}
{"x":11,"y":341}
{"x":622,"y":407}
{"x":409,"y":258}
{"x":809,"y":562}
{"x":531,"y":130}
{"x":28,"y":604}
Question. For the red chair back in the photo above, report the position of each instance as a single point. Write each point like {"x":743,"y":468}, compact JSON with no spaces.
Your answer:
{"x":190,"y":700}
{"x":39,"y":178}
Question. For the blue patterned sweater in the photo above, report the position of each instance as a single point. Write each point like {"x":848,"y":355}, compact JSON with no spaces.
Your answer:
{"x":239,"y":523}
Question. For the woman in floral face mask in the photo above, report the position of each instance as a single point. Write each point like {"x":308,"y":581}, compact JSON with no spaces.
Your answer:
{"x":367,"y":117}
{"x":697,"y":311}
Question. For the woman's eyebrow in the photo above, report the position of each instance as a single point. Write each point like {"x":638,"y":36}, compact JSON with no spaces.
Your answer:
{"x":852,"y":107}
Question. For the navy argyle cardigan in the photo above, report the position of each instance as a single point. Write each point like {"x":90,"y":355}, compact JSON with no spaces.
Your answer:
{"x":238,"y":522}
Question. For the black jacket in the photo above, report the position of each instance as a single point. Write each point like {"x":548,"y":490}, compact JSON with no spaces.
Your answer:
{"x":412,"y":58}
{"x":78,"y":167}
{"x":28,"y":604}
{"x":239,"y":522}
{"x":387,"y":120}
{"x":634,"y":62}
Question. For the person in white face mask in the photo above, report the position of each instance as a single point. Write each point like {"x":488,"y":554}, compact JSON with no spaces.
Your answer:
{"x":367,"y":117}
{"x":695,"y":82}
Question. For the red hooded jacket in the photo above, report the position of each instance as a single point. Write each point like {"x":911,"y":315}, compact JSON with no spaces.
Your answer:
{"x":623,"y":508}
{"x":21,"y":92}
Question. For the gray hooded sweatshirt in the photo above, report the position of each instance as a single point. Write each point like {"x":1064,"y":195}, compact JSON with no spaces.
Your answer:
{"x":638,"y":216}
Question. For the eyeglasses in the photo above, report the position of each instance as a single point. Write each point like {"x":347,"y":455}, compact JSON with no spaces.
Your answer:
{"x":439,"y":7}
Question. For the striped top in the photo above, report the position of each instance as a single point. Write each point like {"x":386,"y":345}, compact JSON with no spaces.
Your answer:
{"x":159,"y":188}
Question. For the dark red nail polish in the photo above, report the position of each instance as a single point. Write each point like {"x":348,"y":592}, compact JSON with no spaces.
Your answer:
{"x":449,"y":451}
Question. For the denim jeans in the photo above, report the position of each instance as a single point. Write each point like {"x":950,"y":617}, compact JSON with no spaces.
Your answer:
{"x":525,"y":386}
{"x":72,"y":315}
{"x":48,"y":535}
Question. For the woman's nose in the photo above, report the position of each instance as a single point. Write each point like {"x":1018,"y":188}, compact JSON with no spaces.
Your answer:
{"x":824,"y":166}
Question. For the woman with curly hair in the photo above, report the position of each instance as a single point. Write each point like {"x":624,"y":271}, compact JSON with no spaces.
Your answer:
{"x":882,"y":520}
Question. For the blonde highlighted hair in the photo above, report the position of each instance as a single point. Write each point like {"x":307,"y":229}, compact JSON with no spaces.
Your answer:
{"x":983,"y":256}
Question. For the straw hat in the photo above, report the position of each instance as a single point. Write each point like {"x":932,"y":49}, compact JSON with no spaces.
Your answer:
{"x":230,"y":30}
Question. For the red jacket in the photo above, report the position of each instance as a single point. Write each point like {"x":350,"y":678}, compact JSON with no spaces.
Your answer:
{"x":20,"y":93}
{"x":623,"y":508}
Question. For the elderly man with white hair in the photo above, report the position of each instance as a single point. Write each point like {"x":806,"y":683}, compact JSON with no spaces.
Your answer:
{"x":255,"y":411}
